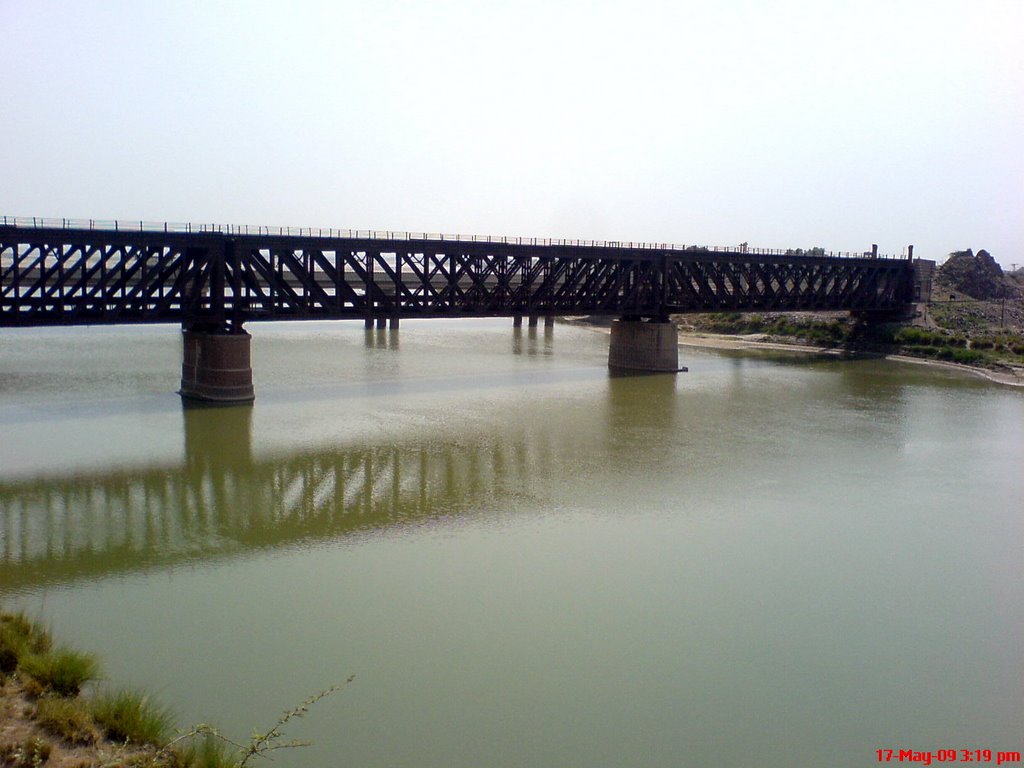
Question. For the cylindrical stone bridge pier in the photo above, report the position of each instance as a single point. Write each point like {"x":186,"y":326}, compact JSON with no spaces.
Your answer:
{"x":216,"y":367}
{"x":644,"y":345}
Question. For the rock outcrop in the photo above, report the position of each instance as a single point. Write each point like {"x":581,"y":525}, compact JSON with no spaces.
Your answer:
{"x":975,"y":274}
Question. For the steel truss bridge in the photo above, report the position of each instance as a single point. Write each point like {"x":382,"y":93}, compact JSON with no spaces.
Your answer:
{"x":216,"y":278}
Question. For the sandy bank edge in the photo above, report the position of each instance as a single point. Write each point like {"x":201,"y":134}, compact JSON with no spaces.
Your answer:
{"x":755,"y":341}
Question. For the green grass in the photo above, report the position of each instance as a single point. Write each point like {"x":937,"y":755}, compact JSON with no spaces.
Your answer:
{"x":969,"y":356}
{"x":959,"y":317}
{"x":67,"y":718}
{"x":970,"y":344}
{"x":62,"y":671}
{"x":54,"y":678}
{"x":822,"y":332}
{"x":130,"y":716}
{"x":208,"y":752}
{"x":20,"y":636}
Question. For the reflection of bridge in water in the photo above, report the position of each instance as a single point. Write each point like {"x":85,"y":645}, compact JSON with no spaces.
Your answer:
{"x":221,"y":500}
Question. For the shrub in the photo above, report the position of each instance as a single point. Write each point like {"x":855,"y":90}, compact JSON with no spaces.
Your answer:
{"x":783,"y":328}
{"x":911,"y":336}
{"x":130,"y":716}
{"x":62,"y":671}
{"x":8,"y":662}
{"x":967,"y":356}
{"x":883,"y":333}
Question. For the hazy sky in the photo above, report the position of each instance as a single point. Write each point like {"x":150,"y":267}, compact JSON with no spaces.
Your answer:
{"x":784,"y":124}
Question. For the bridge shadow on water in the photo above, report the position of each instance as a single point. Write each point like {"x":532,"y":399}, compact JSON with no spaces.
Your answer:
{"x":382,"y":338}
{"x":223,"y":500}
{"x":533,"y":341}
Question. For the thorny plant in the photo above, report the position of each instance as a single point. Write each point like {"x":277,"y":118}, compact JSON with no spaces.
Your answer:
{"x":260,"y":743}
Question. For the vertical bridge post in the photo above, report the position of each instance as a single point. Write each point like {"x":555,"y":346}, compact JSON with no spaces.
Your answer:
{"x":216,"y":367}
{"x":644,"y":345}
{"x":647,"y":342}
{"x":216,"y":362}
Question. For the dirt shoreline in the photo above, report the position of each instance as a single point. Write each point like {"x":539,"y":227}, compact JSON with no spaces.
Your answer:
{"x":756,"y":341}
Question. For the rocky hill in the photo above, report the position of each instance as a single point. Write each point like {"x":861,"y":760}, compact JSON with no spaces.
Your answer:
{"x":976,"y":275}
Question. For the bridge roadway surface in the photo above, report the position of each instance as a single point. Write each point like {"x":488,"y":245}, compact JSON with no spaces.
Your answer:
{"x":60,"y":272}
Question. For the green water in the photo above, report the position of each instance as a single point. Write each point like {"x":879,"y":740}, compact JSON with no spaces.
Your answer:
{"x":767,"y":561}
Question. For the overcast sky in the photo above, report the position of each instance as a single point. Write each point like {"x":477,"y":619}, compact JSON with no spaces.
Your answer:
{"x":782,"y":124}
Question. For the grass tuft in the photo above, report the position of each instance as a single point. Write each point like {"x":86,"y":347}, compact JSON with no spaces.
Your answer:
{"x":62,"y":671}
{"x":68,"y":719}
{"x":29,"y":754}
{"x":208,"y":752}
{"x":20,"y":636}
{"x":130,"y":716}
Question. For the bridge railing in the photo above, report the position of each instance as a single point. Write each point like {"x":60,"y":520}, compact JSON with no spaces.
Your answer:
{"x":122,"y":225}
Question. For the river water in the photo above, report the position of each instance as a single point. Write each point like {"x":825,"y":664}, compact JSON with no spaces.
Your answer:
{"x":771,"y":560}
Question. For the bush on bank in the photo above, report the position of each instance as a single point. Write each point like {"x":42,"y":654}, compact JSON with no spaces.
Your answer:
{"x":825,"y":332}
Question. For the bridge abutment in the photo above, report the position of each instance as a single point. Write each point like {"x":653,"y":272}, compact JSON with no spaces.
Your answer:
{"x":641,"y":345}
{"x":217,"y":367}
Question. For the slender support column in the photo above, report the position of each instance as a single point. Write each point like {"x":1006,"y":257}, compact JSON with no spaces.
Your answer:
{"x":644,"y":346}
{"x":368,"y":323}
{"x":216,"y":367}
{"x":549,"y":321}
{"x":517,"y":321}
{"x":393,"y":323}
{"x":382,"y":322}
{"x":923,"y":271}
{"x":533,"y":321}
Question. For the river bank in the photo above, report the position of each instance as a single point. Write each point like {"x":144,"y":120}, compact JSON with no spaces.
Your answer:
{"x":1012,"y":377}
{"x":754,"y":342}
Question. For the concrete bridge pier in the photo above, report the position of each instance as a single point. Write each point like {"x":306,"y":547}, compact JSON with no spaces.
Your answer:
{"x":650,"y":345}
{"x":217,"y":367}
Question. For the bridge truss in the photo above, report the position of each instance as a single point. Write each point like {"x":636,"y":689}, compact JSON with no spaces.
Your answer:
{"x":218,"y":280}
